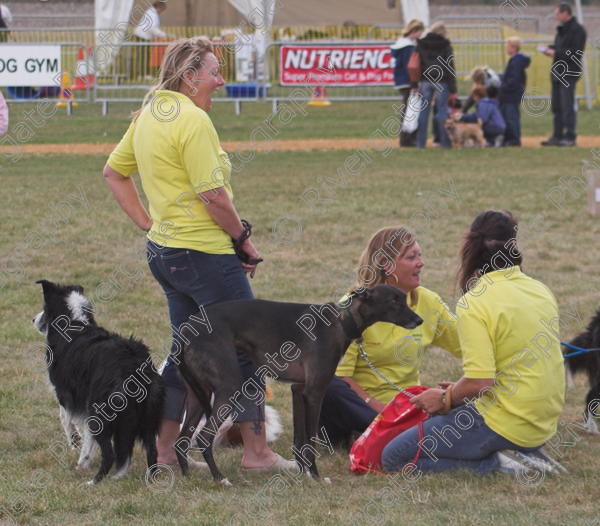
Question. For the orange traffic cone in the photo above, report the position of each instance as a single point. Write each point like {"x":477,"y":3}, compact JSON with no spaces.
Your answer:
{"x":66,"y":95}
{"x":319,"y":97}
{"x":83,"y":77}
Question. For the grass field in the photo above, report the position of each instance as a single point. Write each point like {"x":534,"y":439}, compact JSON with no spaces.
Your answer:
{"x":349,"y":119}
{"x":97,"y":243}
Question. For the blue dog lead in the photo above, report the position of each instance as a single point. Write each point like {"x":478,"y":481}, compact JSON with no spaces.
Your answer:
{"x":579,"y":350}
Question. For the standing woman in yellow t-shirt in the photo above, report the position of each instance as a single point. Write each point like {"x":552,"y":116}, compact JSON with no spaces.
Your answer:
{"x":174,"y":147}
{"x":357,"y":394}
{"x":513,"y":366}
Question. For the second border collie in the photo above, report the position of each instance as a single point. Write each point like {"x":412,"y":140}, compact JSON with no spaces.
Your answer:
{"x":100,"y":378}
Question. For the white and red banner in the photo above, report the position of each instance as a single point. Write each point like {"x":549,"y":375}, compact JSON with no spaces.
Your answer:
{"x":360,"y":65}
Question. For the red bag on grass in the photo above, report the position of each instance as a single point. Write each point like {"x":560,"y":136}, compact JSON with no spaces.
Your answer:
{"x":396,"y":417}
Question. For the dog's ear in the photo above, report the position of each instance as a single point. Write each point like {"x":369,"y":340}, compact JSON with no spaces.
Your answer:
{"x":365,"y":294}
{"x":47,"y":286}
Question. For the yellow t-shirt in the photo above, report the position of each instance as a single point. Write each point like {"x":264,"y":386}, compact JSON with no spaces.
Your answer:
{"x":502,"y":336}
{"x":397,"y":352}
{"x":175,"y":148}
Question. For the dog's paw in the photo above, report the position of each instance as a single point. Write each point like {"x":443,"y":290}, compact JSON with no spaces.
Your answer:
{"x":83,"y":464}
{"x":75,"y":441}
{"x":592,"y":427}
{"x":90,"y":483}
{"x":226,"y":482}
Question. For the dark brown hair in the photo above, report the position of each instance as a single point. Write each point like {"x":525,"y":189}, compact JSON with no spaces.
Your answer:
{"x":479,"y":92}
{"x":563,"y":7}
{"x":490,"y":244}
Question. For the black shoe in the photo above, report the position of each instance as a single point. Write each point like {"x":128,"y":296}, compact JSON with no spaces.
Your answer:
{"x":552,"y":141}
{"x":567,"y":142}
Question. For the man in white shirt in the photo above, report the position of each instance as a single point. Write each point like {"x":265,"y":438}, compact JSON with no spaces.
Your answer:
{"x":148,"y":28}
{"x":5,"y":21}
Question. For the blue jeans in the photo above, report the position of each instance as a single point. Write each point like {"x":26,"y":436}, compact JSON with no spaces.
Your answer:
{"x":190,"y":278}
{"x":457,"y":440}
{"x":429,"y":91}
{"x":512,"y":117}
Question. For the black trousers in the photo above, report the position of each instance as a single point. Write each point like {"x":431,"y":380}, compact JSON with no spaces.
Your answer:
{"x":563,"y":110}
{"x":343,"y":413}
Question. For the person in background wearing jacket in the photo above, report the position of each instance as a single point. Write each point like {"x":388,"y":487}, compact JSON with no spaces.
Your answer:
{"x":483,"y":76}
{"x":3,"y":115}
{"x":436,"y":56}
{"x":5,"y":22}
{"x":488,"y":111}
{"x":567,"y":55}
{"x":401,"y":51}
{"x":512,"y":88}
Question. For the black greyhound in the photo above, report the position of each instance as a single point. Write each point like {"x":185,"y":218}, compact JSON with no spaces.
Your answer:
{"x":291,"y":342}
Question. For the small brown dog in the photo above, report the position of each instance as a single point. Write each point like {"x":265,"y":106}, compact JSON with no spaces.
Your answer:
{"x":465,"y":133}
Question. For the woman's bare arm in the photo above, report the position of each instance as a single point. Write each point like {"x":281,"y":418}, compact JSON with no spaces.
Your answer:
{"x":126,"y":194}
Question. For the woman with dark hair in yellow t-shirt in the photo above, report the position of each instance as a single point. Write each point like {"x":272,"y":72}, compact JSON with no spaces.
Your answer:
{"x":357,"y":394}
{"x":184,"y":172}
{"x":513,"y":368}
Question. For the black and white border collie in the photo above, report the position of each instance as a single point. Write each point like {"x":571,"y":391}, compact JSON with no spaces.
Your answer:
{"x":103,"y":382}
{"x":590,"y":364}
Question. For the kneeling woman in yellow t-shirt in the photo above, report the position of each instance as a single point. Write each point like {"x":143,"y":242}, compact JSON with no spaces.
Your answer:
{"x":513,"y":367}
{"x":357,"y":394}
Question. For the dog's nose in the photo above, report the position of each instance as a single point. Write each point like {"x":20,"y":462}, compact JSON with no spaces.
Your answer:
{"x":416,"y":323}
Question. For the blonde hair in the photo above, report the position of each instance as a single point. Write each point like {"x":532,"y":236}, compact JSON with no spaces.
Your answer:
{"x":439,"y":28}
{"x":515,"y":42}
{"x":181,"y":56}
{"x":384,"y":246}
{"x":413,"y":25}
{"x":478,"y":75}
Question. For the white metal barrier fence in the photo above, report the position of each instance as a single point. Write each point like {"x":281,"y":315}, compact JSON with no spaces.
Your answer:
{"x":130,"y":75}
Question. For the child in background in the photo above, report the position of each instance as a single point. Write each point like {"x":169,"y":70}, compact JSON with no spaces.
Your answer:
{"x":512,"y":88}
{"x":481,"y":77}
{"x":3,"y":115}
{"x":488,"y":111}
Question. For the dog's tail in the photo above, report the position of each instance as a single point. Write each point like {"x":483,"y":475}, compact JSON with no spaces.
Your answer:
{"x":153,"y":405}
